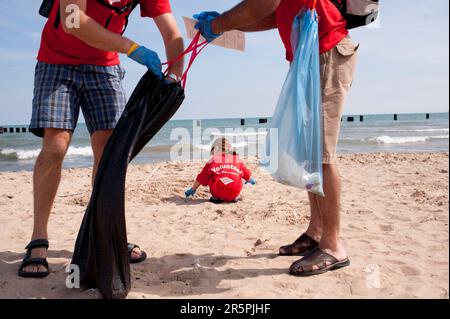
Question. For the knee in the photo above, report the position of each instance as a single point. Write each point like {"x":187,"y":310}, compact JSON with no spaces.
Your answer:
{"x":54,"y":152}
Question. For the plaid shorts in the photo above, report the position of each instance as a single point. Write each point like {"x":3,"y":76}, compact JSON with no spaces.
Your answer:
{"x":61,"y":90}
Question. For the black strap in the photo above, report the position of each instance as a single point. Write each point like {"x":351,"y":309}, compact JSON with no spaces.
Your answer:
{"x":133,"y":6}
{"x":341,"y":5}
{"x":37,"y":243}
{"x":118,"y":11}
{"x":58,"y":18}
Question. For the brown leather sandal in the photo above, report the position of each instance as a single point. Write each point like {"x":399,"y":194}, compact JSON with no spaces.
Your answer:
{"x":318,"y":258}
{"x":301,"y":246}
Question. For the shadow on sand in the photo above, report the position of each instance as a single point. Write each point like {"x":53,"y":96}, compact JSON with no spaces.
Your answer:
{"x":175,"y":275}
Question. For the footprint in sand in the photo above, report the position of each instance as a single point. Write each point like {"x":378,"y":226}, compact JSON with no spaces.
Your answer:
{"x":410,"y":271}
{"x":386,"y":228}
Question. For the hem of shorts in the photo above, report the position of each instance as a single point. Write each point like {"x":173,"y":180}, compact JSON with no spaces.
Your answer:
{"x":92,"y":130}
{"x":38,"y":129}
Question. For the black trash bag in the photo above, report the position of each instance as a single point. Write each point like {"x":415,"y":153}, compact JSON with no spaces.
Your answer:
{"x":101,"y":251}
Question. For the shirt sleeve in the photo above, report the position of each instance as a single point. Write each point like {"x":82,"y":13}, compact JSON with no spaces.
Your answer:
{"x":154,"y":8}
{"x":203,"y":177}
{"x":247,"y":174}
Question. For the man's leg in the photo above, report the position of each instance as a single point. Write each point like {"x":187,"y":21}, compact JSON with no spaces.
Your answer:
{"x":329,"y":207}
{"x":98,"y":142}
{"x":315,"y":224}
{"x":337,"y":70}
{"x":46,"y":178}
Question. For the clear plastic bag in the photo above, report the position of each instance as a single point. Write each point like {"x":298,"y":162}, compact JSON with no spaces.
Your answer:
{"x":298,"y":115}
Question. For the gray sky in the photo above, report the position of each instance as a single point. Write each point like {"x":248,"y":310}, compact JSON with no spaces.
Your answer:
{"x":403,"y":65}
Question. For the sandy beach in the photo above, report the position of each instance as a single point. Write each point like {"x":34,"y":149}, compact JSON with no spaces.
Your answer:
{"x":394,"y":225}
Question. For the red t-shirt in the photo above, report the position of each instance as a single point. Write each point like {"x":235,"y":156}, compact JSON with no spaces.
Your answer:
{"x":332,"y":25}
{"x":58,"y":47}
{"x":223,"y":174}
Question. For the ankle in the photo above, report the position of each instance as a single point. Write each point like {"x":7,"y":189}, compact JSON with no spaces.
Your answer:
{"x":39,"y":235}
{"x":330,"y":243}
{"x":314,"y":233}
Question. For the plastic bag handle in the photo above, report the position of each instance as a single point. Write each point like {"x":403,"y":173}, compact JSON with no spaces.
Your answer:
{"x":195,"y":47}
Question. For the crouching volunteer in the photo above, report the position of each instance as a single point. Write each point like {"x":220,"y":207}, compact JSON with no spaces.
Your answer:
{"x":320,"y":243}
{"x":79,"y":68}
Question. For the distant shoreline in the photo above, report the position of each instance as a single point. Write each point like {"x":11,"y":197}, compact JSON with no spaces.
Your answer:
{"x":345,"y":115}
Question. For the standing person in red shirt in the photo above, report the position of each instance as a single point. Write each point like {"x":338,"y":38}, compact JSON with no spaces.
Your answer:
{"x":78,"y":67}
{"x":320,"y":243}
{"x":223,"y":174}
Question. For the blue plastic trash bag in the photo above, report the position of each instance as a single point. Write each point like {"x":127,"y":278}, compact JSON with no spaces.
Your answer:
{"x":298,"y":115}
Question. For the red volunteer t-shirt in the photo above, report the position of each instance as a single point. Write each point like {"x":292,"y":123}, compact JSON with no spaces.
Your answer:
{"x":332,"y":25}
{"x":58,"y":47}
{"x":223,"y":174}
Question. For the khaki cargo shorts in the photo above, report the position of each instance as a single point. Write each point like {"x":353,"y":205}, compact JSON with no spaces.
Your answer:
{"x":337,"y":68}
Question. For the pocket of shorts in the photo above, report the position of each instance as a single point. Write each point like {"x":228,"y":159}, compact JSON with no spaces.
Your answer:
{"x":121,"y":72}
{"x":346,"y":56}
{"x":347,"y":47}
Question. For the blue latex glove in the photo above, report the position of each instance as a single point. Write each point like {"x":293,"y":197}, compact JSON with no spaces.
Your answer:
{"x":204,"y":25}
{"x":205,"y":14}
{"x":190,"y":192}
{"x":251,"y":181}
{"x":148,"y":58}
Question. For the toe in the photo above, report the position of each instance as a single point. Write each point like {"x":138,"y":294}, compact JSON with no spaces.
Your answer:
{"x":136,"y":253}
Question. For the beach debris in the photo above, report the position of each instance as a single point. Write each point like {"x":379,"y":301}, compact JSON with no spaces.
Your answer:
{"x":259,"y":242}
{"x":151,"y":175}
{"x":73,"y":194}
{"x":219,"y":212}
{"x":196,"y":263}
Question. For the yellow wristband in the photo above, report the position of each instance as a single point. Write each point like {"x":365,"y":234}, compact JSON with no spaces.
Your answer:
{"x":133,"y":48}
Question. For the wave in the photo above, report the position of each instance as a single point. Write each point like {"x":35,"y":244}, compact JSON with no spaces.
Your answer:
{"x":239,"y":134}
{"x":422,"y":130}
{"x":20,"y":154}
{"x":404,"y":139}
{"x":207,"y":147}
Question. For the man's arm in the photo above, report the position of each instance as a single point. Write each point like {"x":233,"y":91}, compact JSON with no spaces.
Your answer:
{"x":173,"y":41}
{"x":268,"y":23}
{"x":88,"y":30}
{"x":245,"y":14}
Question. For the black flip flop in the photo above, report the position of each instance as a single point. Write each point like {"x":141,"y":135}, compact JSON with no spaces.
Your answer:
{"x":143,"y":257}
{"x":27,"y":260}
{"x":303,"y":246}
{"x":319,"y":258}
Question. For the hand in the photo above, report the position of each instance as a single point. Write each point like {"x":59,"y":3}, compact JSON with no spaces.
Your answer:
{"x":251,"y":181}
{"x":190,"y":192}
{"x":148,"y":58}
{"x":204,"y":25}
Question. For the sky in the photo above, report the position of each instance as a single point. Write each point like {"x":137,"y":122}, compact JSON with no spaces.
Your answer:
{"x":403,"y":63}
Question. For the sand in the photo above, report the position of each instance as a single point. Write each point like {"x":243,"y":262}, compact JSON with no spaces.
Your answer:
{"x":394,"y":225}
